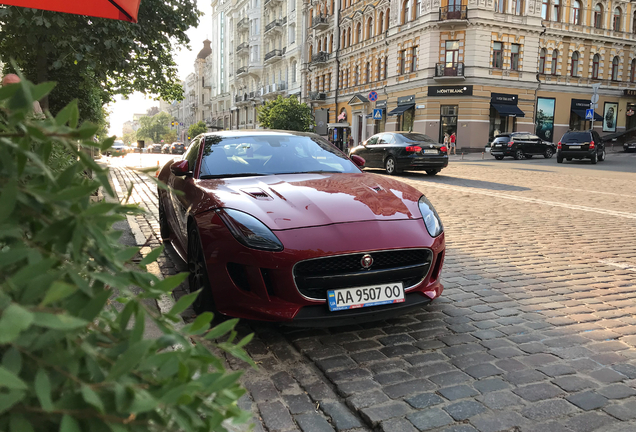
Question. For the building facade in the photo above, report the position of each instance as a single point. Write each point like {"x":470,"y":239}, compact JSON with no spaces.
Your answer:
{"x":473,"y":67}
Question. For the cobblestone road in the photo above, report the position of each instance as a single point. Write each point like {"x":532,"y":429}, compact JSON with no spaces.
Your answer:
{"x":535,"y":331}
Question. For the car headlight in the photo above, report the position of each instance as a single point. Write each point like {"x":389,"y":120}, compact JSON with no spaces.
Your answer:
{"x":431,"y":218}
{"x":249,"y":231}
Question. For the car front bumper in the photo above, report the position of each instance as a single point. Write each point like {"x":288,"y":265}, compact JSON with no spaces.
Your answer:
{"x":629,"y":146}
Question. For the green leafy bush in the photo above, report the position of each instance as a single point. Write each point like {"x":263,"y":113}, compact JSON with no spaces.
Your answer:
{"x":72,"y":351}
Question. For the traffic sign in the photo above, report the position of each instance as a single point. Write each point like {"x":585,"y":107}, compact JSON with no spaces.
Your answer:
{"x":589,"y":114}
{"x":595,"y":87}
{"x":373,"y":96}
{"x":594,"y":98}
{"x":377,"y":114}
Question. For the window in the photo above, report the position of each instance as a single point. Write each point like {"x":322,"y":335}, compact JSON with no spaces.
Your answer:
{"x":514,"y":57}
{"x":343,"y":40}
{"x":349,"y":37}
{"x":402,"y":61}
{"x":575,"y":64}
{"x":386,"y":19}
{"x":418,"y":6}
{"x":379,"y":68}
{"x":634,"y":23}
{"x":386,"y":67}
{"x":405,"y":11}
{"x":331,"y":43}
{"x":293,"y":71}
{"x":319,"y":46}
{"x":500,"y":6}
{"x":413,"y":59}
{"x":556,"y":10}
{"x":616,"y":24}
{"x":381,"y":22}
{"x":497,"y":55}
{"x":359,"y":33}
{"x":632,"y":72}
{"x":542,"y":54}
{"x":576,"y":12}
{"x":615,"y":69}
{"x":367,"y":73}
{"x":595,"y":61}
{"x":555,"y":60}
{"x":517,"y":7}
{"x":356,"y":77}
{"x":370,"y":28}
{"x":545,"y":5}
{"x":598,"y":16}
{"x":328,"y":81}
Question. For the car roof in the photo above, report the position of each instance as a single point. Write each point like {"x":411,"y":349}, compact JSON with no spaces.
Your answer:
{"x":258,"y":132}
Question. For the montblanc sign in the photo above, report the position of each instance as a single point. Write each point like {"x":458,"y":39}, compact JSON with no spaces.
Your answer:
{"x":460,"y":90}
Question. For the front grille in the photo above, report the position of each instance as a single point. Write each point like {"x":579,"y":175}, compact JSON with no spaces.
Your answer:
{"x":315,"y":277}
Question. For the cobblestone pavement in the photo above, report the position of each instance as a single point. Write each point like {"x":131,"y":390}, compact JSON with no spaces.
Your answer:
{"x":535,"y":331}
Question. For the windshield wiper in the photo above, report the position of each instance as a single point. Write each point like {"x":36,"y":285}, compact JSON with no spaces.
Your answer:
{"x":217,"y":176}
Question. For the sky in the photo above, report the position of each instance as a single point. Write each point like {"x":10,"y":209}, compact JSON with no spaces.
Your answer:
{"x":122,"y":111}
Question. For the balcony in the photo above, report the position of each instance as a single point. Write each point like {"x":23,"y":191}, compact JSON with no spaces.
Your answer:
{"x":241,"y":72}
{"x":453,"y":13}
{"x":243,"y":24}
{"x":274,"y":55}
{"x":320,"y":57}
{"x":242,"y":99}
{"x":317,"y":96}
{"x":274,"y":89}
{"x":277,"y":24}
{"x":320,"y":22}
{"x":268,"y":3}
{"x":449,"y":71}
{"x":242,"y":47}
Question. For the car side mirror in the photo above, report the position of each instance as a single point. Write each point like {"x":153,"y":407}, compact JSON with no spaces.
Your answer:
{"x":358,"y":160}
{"x":180,"y":168}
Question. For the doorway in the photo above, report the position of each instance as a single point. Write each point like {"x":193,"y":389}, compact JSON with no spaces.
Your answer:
{"x":448,"y":121}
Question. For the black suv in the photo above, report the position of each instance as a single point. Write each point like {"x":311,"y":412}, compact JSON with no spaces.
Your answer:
{"x":520,"y":145}
{"x":581,"y":145}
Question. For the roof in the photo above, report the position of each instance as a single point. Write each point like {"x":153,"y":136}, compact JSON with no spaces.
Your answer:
{"x":206,"y":51}
{"x":257,"y":132}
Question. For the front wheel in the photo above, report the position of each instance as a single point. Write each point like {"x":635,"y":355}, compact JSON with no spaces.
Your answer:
{"x":518,"y":155}
{"x":499,"y":157}
{"x":548,"y":153}
{"x":431,"y":172}
{"x":198,"y":274}
{"x":602,"y":156}
{"x":390,"y":165}
{"x":559,"y":159}
{"x":594,"y":158}
{"x":164,"y":228}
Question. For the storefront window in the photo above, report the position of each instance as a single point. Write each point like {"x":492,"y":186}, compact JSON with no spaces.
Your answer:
{"x":380,"y":125}
{"x":448,"y":121}
{"x":545,"y":118}
{"x":407,"y":119}
{"x":500,"y":124}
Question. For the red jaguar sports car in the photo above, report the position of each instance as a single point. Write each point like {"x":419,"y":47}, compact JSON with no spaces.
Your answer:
{"x":283,"y":226}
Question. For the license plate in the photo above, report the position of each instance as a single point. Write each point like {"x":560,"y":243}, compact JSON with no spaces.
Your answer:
{"x":574,"y":147}
{"x":430,"y":151}
{"x":497,"y":145}
{"x":373,"y":295}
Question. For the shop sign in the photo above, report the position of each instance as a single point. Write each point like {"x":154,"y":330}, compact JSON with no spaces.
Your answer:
{"x":630,"y":112}
{"x":405,"y":100}
{"x":457,"y":90}
{"x":629,"y":92}
{"x":580,"y":104}
{"x":502,"y":98}
{"x":380,"y":104}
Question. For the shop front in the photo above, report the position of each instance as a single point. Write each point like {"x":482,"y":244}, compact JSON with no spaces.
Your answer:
{"x":449,"y":111}
{"x":630,"y":110}
{"x":577,"y":115}
{"x":503,"y":114}
{"x":379,"y":126}
{"x":405,"y":112}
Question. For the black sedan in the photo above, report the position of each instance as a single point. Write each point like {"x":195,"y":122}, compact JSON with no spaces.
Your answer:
{"x":399,"y":151}
{"x":521,"y":145}
{"x":156,"y":148}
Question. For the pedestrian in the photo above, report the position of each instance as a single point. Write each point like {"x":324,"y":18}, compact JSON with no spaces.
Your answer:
{"x":446,"y":140}
{"x":453,"y":142}
{"x":14,"y":79}
{"x":350,"y":141}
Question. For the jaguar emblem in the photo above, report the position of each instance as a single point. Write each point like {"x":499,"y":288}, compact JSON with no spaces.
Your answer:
{"x":366,"y":261}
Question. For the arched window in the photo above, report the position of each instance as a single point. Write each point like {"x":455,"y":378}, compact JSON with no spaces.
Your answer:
{"x":379,"y":68}
{"x":368,"y":73}
{"x":349,"y":37}
{"x":386,"y":67}
{"x":381,"y":23}
{"x":343,"y":41}
{"x":632,"y":72}
{"x":357,"y":76}
{"x":575,"y":17}
{"x":418,"y":6}
{"x":331,"y":43}
{"x":542,"y":54}
{"x":598,"y":16}
{"x":370,"y":28}
{"x":555,"y":61}
{"x":556,"y":10}
{"x":319,"y":46}
{"x":575,"y":64}
{"x":616,"y":23}
{"x":293,"y":71}
{"x":405,"y":11}
{"x":595,"y":61}
{"x":615,"y":69}
{"x":386,"y":19}
{"x":545,"y":7}
{"x":359,"y":33}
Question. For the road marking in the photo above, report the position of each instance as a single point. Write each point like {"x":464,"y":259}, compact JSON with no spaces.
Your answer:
{"x":591,"y":191}
{"x":535,"y":201}
{"x":623,"y":266}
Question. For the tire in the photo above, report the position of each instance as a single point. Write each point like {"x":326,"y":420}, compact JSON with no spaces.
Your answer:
{"x":518,"y":155}
{"x":198,"y":274}
{"x":559,"y":159}
{"x":594,"y":158}
{"x":164,"y":227}
{"x":602,"y":156}
{"x":431,"y":172}
{"x":390,"y":165}
{"x":499,"y":157}
{"x":548,"y":153}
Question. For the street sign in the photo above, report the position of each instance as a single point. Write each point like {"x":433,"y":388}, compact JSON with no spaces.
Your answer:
{"x":594,"y":98}
{"x":373,"y":96}
{"x":595,"y":87}
{"x":377,"y":114}
{"x":589,"y":114}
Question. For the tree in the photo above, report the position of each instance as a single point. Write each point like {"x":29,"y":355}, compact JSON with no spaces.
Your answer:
{"x":170,"y":136}
{"x":286,"y":114}
{"x":130,"y":137}
{"x":154,"y":127}
{"x":93,"y":59}
{"x":196,"y":129}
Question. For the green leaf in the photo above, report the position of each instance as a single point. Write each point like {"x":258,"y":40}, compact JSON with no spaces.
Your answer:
{"x":152,"y":256}
{"x":75,"y":192}
{"x":13,"y":255}
{"x":99,"y":208}
{"x":58,"y":291}
{"x":15,"y":319}
{"x":12,"y":360}
{"x":129,"y":359}
{"x":9,"y":399}
{"x":18,"y":423}
{"x":9,"y":380}
{"x":42,"y":386}
{"x":92,"y":398}
{"x":127,"y":254}
{"x":221,"y":329}
{"x":143,"y":402}
{"x":171,"y":282}
{"x":66,"y":113}
{"x":201,"y":323}
{"x":69,"y":424}
{"x":95,"y":305}
{"x":247,"y":339}
{"x":183,"y":303}
{"x":107,"y":143}
{"x":8,"y":198}
{"x":58,"y":321}
{"x":41,"y":90}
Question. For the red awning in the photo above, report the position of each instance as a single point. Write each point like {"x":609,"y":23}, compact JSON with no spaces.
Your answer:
{"x":125,"y":10}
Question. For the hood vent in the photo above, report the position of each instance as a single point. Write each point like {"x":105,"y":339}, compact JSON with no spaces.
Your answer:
{"x":376,"y":188}
{"x":257,"y":193}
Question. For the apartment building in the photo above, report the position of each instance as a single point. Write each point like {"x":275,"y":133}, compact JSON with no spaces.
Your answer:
{"x":473,"y":67}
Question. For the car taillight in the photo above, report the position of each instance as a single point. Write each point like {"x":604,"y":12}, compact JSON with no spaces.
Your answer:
{"x":510,"y":143}
{"x":413,"y":148}
{"x":591,"y":144}
{"x":443,"y":149}
{"x":559,"y":145}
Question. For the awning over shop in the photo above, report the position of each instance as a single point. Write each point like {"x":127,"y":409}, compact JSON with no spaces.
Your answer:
{"x":338,"y":125}
{"x":370,"y":115}
{"x":581,"y":113}
{"x":508,"y":110}
{"x":125,"y":10}
{"x":400,"y":109}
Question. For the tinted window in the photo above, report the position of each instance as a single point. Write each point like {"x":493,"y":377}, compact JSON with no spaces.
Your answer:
{"x":520,"y":137}
{"x":372,"y":140}
{"x":501,"y":139}
{"x":418,"y":137}
{"x":191,"y":154}
{"x":271,"y":154}
{"x":385,"y":139}
{"x":576,"y":137}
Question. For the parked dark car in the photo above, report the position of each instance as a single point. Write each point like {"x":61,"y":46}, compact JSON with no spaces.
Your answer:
{"x":399,"y":151}
{"x":581,"y":145}
{"x":283,"y":226}
{"x":521,"y":145}
{"x":156,"y":148}
{"x":177,"y":148}
{"x":629,"y":146}
{"x":166,"y":148}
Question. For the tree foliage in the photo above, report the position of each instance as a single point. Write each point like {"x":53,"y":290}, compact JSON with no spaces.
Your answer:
{"x":154,"y":127}
{"x":196,"y":129}
{"x":286,"y":114}
{"x":72,"y":347}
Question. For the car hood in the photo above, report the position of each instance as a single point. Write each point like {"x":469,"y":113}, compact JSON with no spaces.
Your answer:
{"x":291,"y":201}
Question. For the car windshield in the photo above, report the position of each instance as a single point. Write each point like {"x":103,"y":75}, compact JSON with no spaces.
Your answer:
{"x":418,"y":137}
{"x":501,"y":139}
{"x":270,"y":154}
{"x":576,"y":137}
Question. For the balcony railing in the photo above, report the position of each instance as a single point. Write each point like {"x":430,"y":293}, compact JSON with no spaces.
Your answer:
{"x":453,"y":12}
{"x":317,"y":96}
{"x":320,"y":57}
{"x":244,"y":22}
{"x":320,"y":22}
{"x":273,"y":54}
{"x":242,"y":46}
{"x":241,"y":70}
{"x":449,"y":70}
{"x":275,"y":24}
